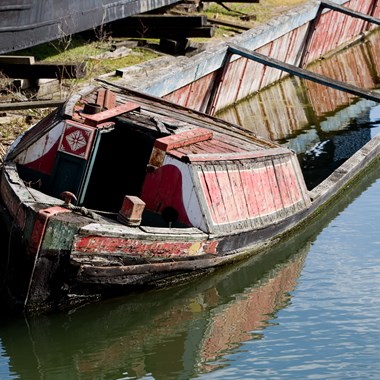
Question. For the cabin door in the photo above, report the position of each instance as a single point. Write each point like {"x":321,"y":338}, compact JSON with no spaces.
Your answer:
{"x":74,"y":160}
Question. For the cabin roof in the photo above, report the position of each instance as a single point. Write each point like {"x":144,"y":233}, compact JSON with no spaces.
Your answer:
{"x":169,"y":119}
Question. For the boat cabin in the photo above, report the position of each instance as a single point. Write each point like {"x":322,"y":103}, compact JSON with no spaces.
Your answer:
{"x":149,"y":163}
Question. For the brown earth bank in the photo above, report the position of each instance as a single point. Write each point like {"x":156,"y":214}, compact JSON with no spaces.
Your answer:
{"x":103,"y":55}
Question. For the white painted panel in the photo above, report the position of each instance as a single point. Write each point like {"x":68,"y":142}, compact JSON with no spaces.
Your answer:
{"x":41,"y":146}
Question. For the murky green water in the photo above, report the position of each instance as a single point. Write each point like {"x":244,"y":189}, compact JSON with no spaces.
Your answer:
{"x":310,"y":309}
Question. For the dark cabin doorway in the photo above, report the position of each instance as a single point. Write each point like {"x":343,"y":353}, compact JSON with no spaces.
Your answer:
{"x":119,"y":167}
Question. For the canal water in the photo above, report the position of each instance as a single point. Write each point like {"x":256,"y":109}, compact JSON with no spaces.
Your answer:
{"x":308,"y":309}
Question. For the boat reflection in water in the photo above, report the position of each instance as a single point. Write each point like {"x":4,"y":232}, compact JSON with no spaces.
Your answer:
{"x":164,"y":333}
{"x":173,"y":333}
{"x":322,"y":125}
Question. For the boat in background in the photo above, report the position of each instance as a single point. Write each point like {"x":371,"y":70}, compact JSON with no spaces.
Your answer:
{"x":119,"y":190}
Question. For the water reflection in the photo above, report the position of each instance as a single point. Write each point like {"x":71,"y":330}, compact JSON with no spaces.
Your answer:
{"x":175,"y":333}
{"x":164,"y":334}
{"x":322,"y":125}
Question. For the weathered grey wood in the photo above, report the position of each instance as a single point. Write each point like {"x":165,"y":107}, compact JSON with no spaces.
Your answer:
{"x":163,"y":26}
{"x":349,"y":12}
{"x":303,"y":73}
{"x":13,"y":106}
{"x":167,"y":31}
{"x":216,"y":84}
{"x":167,"y":20}
{"x":17,"y":59}
{"x":232,"y":25}
{"x":39,"y":70}
{"x":121,"y":271}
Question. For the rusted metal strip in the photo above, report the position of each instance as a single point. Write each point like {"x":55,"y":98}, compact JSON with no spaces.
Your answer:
{"x":349,"y":12}
{"x":303,"y":73}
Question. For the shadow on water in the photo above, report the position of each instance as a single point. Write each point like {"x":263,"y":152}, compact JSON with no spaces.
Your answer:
{"x":176,"y":333}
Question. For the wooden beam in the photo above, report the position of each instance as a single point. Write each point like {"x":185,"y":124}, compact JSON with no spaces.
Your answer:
{"x":102,"y":117}
{"x":164,"y":31}
{"x":13,"y":106}
{"x":188,"y":21}
{"x":163,"y":26}
{"x":303,"y":73}
{"x":46,"y":71}
{"x":218,"y":79}
{"x":17,"y":59}
{"x":232,"y":25}
{"x":304,"y":51}
{"x":349,"y":12}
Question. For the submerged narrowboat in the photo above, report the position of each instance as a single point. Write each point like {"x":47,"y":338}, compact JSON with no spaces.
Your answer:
{"x":118,"y":190}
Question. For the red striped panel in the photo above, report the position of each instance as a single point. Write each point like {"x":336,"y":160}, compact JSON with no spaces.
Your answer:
{"x":233,"y":195}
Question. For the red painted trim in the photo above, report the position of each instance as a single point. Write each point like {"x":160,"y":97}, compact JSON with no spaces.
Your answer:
{"x":101,"y":96}
{"x":39,"y":227}
{"x":101,"y":117}
{"x":183,"y":139}
{"x":236,"y":156}
{"x":143,"y":248}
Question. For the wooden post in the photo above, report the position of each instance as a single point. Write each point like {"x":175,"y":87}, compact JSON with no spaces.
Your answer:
{"x":217,"y":83}
{"x":308,"y":37}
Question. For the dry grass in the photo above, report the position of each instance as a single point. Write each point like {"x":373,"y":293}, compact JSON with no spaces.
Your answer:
{"x":264,"y":10}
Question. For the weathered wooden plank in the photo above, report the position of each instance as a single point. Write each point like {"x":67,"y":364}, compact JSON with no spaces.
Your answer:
{"x":30,"y":105}
{"x":303,"y":73}
{"x":237,"y":191}
{"x":273,"y":189}
{"x":46,"y":70}
{"x":167,"y":31}
{"x":349,"y":12}
{"x":202,"y":195}
{"x":104,"y":116}
{"x":251,"y":195}
{"x":236,"y":156}
{"x":213,"y":195}
{"x":216,"y":88}
{"x":183,"y":139}
{"x":17,"y":59}
{"x":229,"y":201}
{"x":148,"y":20}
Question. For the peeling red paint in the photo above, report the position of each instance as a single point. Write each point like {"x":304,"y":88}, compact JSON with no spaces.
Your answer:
{"x":39,"y":227}
{"x":142,"y":248}
{"x":162,"y":189}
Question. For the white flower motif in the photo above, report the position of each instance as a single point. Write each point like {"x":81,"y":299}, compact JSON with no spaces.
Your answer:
{"x":76,"y":140}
